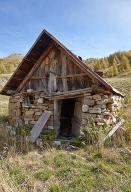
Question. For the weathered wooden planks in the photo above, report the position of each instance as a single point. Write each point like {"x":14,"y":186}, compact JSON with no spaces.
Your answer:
{"x":114,"y":129}
{"x":57,"y":73}
{"x":36,"y":130}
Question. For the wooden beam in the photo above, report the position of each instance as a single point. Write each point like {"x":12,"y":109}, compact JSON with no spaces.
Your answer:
{"x":88,"y":90}
{"x":56,"y":117}
{"x":21,"y":71}
{"x":37,"y":64}
{"x":114,"y":129}
{"x":62,"y":77}
{"x":73,"y":75}
{"x":69,"y":94}
{"x":64,"y":80}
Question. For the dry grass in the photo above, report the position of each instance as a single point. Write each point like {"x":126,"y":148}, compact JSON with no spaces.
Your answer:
{"x":59,"y":170}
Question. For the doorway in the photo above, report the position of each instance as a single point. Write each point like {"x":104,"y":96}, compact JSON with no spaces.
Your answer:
{"x":66,"y":117}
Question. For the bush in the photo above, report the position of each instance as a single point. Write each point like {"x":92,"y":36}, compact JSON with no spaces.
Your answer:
{"x":90,"y":135}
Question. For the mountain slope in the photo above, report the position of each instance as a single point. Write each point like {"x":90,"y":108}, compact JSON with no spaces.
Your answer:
{"x":9,"y":64}
{"x":118,"y":63}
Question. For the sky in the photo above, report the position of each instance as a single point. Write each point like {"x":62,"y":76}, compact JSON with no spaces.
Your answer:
{"x":89,"y":28}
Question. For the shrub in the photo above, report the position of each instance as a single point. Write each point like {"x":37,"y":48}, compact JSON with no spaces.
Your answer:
{"x":90,"y":135}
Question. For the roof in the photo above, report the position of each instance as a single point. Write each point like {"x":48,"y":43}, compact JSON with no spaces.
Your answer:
{"x":38,"y":48}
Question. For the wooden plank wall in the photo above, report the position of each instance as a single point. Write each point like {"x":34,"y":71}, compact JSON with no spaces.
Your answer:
{"x":58,"y":73}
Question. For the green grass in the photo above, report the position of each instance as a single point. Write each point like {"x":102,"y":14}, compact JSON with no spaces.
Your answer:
{"x":123,"y":84}
{"x":67,"y":171}
{"x":43,"y":174}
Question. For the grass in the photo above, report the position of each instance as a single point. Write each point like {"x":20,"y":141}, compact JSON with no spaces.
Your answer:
{"x":123,"y":84}
{"x":66,"y":172}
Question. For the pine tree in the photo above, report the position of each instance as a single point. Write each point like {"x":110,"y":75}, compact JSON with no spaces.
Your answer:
{"x":114,"y":69}
{"x":124,"y":63}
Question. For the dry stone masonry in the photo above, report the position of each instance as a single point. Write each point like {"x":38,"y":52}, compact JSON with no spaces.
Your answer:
{"x":22,"y":113}
{"x":100,"y":108}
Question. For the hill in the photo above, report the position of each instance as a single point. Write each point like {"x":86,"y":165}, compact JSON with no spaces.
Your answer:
{"x":9,"y":64}
{"x":115,"y":64}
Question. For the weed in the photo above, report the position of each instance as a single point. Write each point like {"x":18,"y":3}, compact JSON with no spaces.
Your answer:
{"x":43,"y":174}
{"x":17,"y":175}
{"x":54,"y":188}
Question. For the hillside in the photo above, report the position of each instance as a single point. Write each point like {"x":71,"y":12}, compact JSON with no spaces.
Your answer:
{"x":9,"y":64}
{"x":115,"y":64}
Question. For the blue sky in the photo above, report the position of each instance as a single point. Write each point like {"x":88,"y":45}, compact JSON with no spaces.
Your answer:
{"x":90,"y":28}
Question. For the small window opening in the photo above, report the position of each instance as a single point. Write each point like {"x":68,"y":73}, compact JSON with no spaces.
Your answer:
{"x":29,"y":99}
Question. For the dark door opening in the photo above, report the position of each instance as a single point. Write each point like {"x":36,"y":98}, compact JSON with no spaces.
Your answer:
{"x":67,"y":113}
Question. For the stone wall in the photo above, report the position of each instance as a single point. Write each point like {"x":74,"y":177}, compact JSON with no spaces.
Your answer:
{"x":100,"y":109}
{"x":23,"y":113}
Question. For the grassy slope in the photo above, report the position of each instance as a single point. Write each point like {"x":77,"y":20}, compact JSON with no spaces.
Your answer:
{"x":123,"y":84}
{"x":3,"y":99}
{"x":61,"y":171}
{"x":58,"y":170}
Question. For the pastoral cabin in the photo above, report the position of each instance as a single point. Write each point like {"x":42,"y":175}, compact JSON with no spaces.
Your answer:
{"x":53,"y":89}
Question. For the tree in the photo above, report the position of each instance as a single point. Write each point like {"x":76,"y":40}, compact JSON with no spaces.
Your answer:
{"x":114,"y":70}
{"x":124,"y":64}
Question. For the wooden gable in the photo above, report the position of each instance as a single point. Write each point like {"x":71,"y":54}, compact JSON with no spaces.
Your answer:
{"x":57,"y":73}
{"x":73,"y":73}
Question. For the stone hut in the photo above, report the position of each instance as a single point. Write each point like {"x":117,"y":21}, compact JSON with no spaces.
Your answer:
{"x":53,"y":89}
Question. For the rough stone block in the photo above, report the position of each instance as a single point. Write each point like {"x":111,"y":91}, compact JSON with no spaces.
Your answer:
{"x":95,"y":110}
{"x":26,"y":122}
{"x":101,"y":102}
{"x":29,"y":113}
{"x":33,"y":122}
{"x":40,"y":100}
{"x":87,"y":94}
{"x":89,"y":102}
{"x":50,"y":127}
{"x":84,"y":121}
{"x":38,"y":113}
{"x":85,"y":108}
{"x":96,"y":97}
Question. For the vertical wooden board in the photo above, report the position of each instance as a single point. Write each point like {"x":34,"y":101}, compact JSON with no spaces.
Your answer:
{"x":76,"y":120}
{"x":64,"y":80}
{"x":56,"y":116}
{"x":38,"y":127}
